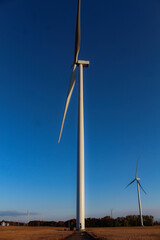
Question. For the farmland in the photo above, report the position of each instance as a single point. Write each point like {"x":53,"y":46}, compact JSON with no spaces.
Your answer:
{"x":51,"y":233}
{"x":32,"y":233}
{"x":126,"y":233}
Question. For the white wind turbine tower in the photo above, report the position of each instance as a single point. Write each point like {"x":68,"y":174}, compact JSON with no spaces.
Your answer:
{"x":27,"y":216}
{"x":138,"y":191}
{"x":80,"y":218}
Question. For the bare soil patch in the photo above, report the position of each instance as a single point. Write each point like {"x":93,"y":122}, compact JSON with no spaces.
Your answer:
{"x":126,"y":233}
{"x":33,"y":233}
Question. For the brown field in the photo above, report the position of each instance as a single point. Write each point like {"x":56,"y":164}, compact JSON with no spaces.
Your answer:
{"x":126,"y":233}
{"x":51,"y":233}
{"x":33,"y":233}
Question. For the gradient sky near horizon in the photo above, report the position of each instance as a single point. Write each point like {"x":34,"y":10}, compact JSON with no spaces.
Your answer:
{"x":121,"y":39}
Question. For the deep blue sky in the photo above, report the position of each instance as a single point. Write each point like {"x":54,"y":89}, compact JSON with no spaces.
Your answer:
{"x":121,"y":99}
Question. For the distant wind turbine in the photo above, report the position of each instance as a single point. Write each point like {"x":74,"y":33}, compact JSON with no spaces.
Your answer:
{"x":138,"y":191}
{"x":80,"y":218}
{"x":111,"y":213}
{"x":27,"y":216}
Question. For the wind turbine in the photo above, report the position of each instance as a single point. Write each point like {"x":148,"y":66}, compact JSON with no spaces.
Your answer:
{"x":80,"y":218}
{"x":28,"y":216}
{"x":112,"y":213}
{"x":138,"y":191}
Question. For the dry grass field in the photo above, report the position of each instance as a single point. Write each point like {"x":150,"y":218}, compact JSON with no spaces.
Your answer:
{"x":126,"y":233}
{"x":32,"y":233}
{"x":51,"y":233}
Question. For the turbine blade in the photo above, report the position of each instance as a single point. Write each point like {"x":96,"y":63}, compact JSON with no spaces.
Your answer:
{"x":78,"y":33}
{"x":69,"y":94}
{"x":142,"y":188}
{"x":130,"y":183}
{"x":136,"y":169}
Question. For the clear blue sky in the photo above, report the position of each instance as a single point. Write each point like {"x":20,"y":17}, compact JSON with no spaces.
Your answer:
{"x":121,"y":99}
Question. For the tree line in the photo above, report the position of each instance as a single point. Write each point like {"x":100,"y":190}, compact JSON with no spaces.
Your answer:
{"x":128,"y":221}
